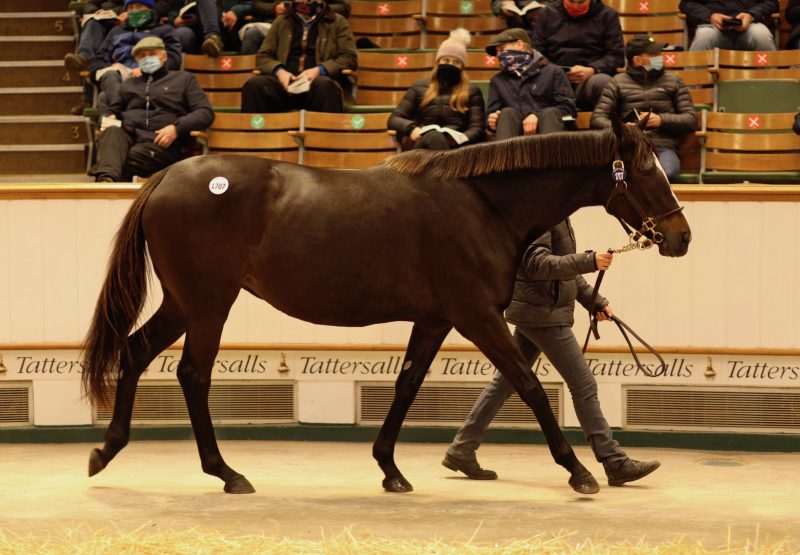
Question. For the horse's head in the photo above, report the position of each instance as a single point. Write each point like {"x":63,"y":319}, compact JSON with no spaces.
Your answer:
{"x":641,"y":196}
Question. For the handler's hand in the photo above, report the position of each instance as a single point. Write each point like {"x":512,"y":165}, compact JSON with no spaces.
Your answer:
{"x":603,"y":260}
{"x":166,"y":136}
{"x":605,"y":314}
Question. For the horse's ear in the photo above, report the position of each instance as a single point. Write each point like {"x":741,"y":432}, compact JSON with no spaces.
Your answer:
{"x":617,"y":125}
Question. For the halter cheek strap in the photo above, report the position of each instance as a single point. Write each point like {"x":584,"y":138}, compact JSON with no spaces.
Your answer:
{"x":646,"y":235}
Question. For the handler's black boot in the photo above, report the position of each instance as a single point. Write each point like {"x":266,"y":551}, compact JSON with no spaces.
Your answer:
{"x":469,"y":467}
{"x":628,"y":470}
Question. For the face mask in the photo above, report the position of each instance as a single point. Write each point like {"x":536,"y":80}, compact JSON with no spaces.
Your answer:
{"x":576,"y":11}
{"x":448,"y":74}
{"x":139,"y":18}
{"x":150,"y":64}
{"x":307,"y":9}
{"x":515,"y":61}
{"x":656,"y":63}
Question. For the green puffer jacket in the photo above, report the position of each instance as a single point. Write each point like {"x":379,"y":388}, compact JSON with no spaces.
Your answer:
{"x":335,"y":48}
{"x":549,"y":280}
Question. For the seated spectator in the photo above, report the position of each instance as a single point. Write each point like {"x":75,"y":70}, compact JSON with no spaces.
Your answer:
{"x":149,"y":125}
{"x":645,"y":91}
{"x":446,"y":99}
{"x":730,"y":24}
{"x":585,"y":38}
{"x":792,"y":15}
{"x":211,"y":25}
{"x":299,"y":73}
{"x":93,"y":31}
{"x":529,"y":95}
{"x":264,"y":13}
{"x":519,"y":13}
{"x":796,"y":126}
{"x":113,"y":62}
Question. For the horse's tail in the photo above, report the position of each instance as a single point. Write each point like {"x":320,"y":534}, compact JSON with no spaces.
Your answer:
{"x":120,"y":302}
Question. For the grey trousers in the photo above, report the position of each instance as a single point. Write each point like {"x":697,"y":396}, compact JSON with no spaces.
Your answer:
{"x":561,"y":348}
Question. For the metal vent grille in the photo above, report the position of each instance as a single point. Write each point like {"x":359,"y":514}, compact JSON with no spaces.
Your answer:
{"x":15,"y":404}
{"x":675,"y":408}
{"x":229,"y":403}
{"x":448,"y":405}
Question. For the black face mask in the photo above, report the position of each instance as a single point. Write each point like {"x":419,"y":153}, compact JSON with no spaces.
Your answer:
{"x":448,"y":74}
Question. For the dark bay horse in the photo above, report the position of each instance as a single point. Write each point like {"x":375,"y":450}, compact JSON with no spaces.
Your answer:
{"x":433,"y":238}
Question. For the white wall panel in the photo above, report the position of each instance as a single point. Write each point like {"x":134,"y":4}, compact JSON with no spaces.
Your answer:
{"x":5,"y":274}
{"x":737,"y":287}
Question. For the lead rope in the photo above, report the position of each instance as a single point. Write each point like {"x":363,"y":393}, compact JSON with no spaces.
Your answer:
{"x":636,"y":241}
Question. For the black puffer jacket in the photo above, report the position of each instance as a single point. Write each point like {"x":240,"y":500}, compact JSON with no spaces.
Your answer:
{"x":549,"y":280}
{"x":594,"y":40}
{"x":659,"y":92}
{"x":175,"y":97}
{"x":699,"y":11}
{"x":408,"y":114}
{"x":792,"y":15}
{"x":543,"y":85}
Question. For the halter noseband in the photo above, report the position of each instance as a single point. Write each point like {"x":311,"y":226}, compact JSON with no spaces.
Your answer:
{"x":638,"y":238}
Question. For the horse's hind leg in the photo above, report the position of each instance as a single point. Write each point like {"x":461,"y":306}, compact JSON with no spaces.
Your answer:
{"x":194,"y":374}
{"x":491,"y":336}
{"x":158,"y":333}
{"x":422,"y":347}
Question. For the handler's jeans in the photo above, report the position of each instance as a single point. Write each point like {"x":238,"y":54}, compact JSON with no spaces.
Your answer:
{"x":561,"y":348}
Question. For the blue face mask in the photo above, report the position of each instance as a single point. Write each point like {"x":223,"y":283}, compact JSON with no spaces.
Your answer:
{"x":150,"y":64}
{"x":656,"y":63}
{"x":515,"y":61}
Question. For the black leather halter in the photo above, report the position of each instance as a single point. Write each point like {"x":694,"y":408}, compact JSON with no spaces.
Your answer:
{"x":642,"y":238}
{"x":647,"y":234}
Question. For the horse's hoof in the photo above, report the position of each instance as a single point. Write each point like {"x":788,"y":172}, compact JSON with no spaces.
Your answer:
{"x":96,"y":463}
{"x":240,"y":484}
{"x":397,"y":485}
{"x":584,"y":483}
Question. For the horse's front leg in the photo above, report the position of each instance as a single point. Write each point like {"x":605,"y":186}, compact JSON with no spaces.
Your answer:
{"x":422,"y":347}
{"x":194,"y":374}
{"x":490,"y":334}
{"x":158,"y":333}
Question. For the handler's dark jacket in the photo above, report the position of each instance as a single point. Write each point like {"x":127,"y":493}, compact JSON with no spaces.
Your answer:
{"x":549,"y":280}
{"x":333,"y":48}
{"x":594,"y":40}
{"x":175,"y":98}
{"x":656,"y":91}
{"x":699,"y":11}
{"x":119,"y":42}
{"x":542,"y":85}
{"x":409,"y":115}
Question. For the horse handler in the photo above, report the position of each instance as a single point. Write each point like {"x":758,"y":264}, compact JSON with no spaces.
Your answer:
{"x":548,"y":282}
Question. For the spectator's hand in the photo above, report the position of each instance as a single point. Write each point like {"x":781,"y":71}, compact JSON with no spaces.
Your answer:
{"x":285,"y":78}
{"x":530,"y":124}
{"x":747,"y":19}
{"x":136,"y":72}
{"x":311,"y":74}
{"x":166,"y":136}
{"x":506,"y":6}
{"x":604,"y":314}
{"x":653,"y":121}
{"x":229,"y":19}
{"x":281,"y":8}
{"x":183,"y":21}
{"x":603,"y":260}
{"x":716,"y":20}
{"x":415,"y":134}
{"x":122,"y":17}
{"x":491,"y":120}
{"x":579,"y":74}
